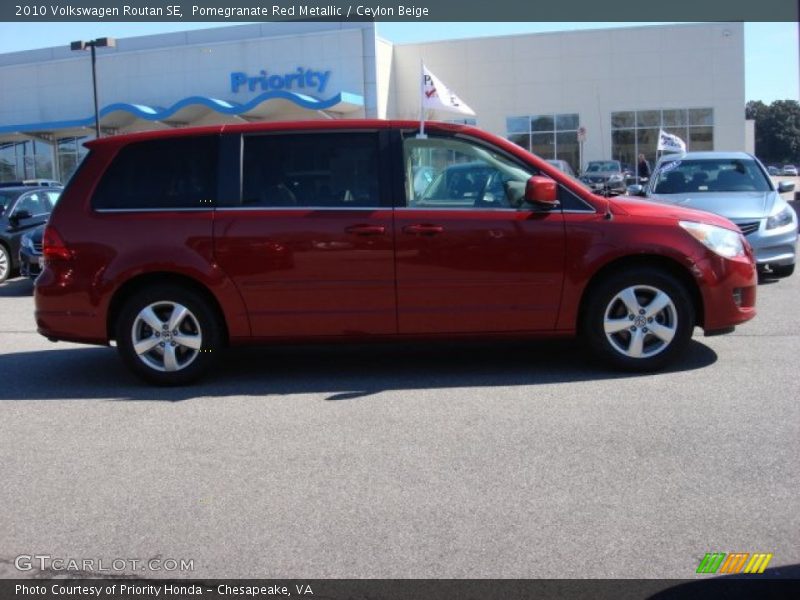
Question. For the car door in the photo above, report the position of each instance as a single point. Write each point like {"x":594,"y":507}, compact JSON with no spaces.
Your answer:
{"x":309,"y":242}
{"x":472,"y":256}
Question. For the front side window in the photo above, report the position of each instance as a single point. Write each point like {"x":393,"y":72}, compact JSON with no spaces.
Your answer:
{"x":717,"y":175}
{"x":451,"y":173}
{"x":32,"y":204}
{"x":163,"y":173}
{"x":325,"y":170}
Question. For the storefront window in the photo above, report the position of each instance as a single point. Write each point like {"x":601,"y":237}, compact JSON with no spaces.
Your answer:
{"x":636,"y":132}
{"x":549,"y":136}
{"x":70,"y":154}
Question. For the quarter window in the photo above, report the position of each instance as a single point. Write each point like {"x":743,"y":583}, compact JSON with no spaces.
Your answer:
{"x":337,"y":170}
{"x":168,"y":173}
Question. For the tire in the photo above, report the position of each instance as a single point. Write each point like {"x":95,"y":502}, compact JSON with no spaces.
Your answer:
{"x":5,"y":263}
{"x":178,"y":354}
{"x":782,"y":270}
{"x":624,"y":300}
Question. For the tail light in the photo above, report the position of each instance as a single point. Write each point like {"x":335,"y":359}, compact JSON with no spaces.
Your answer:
{"x":53,"y":247}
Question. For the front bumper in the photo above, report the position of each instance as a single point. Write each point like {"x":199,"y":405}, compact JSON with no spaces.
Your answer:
{"x":729,"y":293}
{"x":776,"y":247}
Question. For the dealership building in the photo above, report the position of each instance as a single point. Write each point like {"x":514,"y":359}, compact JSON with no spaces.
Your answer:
{"x":611,"y":88}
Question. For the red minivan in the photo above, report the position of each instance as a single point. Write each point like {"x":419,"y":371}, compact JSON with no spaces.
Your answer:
{"x":175,"y":244}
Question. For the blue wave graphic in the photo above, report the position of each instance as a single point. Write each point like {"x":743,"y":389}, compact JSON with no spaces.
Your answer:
{"x":152,"y":113}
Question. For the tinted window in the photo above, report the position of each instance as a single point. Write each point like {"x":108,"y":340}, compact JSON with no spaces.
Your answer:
{"x":311,"y":170}
{"x":50,"y":199}
{"x":7,"y":199}
{"x":33,"y":204}
{"x":167,"y":173}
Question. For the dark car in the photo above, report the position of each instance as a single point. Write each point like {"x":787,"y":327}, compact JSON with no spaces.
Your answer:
{"x":30,"y":253}
{"x":162,"y":241}
{"x":606,"y":177}
{"x":21,"y":209}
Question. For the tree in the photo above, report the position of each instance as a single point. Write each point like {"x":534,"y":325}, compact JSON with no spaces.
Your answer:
{"x":777,"y":130}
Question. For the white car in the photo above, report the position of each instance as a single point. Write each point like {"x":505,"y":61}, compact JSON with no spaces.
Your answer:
{"x":790,"y":170}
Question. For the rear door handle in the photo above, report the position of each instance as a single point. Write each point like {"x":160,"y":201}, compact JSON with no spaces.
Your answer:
{"x":423,"y":229}
{"x":366,"y":229}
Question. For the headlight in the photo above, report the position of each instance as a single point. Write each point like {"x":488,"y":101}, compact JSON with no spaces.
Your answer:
{"x":615,"y":178}
{"x":27,"y":242}
{"x":779,"y":220}
{"x":723,"y":241}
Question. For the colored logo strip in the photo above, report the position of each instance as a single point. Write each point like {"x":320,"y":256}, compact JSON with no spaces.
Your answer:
{"x":717,"y":561}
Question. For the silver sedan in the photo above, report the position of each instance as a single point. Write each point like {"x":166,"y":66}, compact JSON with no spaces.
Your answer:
{"x":734,"y":185}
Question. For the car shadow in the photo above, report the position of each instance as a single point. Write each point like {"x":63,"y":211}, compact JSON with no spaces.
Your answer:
{"x":777,"y":582}
{"x":338,"y":372}
{"x":16,"y":288}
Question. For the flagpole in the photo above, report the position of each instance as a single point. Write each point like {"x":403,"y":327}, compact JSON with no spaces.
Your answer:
{"x":421,"y":134}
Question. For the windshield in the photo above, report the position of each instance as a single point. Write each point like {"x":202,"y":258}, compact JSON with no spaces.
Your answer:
{"x":710,"y":175}
{"x":603,"y":165}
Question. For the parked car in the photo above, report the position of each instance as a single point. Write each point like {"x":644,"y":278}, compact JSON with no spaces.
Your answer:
{"x":789,"y":170}
{"x":605,"y":176}
{"x":30,"y":253}
{"x":734,"y":185}
{"x":773,"y":170}
{"x":32,"y":182}
{"x":21,"y":209}
{"x":163,"y":242}
{"x":562,"y":166}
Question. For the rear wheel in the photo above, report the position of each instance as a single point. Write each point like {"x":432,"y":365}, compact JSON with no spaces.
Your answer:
{"x":5,"y":263}
{"x":639,"y":320}
{"x":168,"y":335}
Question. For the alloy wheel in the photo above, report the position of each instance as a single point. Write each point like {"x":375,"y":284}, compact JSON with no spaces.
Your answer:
{"x":640,"y":321}
{"x":166,"y":336}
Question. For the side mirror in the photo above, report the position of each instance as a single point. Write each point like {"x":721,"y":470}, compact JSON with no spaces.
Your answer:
{"x":542,"y":192}
{"x":635,"y":190}
{"x":785,"y":186}
{"x":19,"y":215}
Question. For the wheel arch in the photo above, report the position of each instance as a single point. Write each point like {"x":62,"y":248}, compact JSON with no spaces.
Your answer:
{"x":650,"y":261}
{"x":140,"y":282}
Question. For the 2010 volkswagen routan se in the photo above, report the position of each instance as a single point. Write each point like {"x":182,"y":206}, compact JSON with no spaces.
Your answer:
{"x":175,"y":244}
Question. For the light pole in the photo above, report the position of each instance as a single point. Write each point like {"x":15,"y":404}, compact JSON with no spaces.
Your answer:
{"x":105,"y":42}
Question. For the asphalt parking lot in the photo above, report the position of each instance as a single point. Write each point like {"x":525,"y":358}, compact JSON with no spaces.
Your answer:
{"x":436,"y":460}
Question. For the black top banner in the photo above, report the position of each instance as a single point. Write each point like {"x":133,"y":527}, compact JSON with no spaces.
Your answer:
{"x":397,"y":10}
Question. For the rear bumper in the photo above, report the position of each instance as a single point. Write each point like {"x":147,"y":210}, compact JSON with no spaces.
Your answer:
{"x":62,"y":311}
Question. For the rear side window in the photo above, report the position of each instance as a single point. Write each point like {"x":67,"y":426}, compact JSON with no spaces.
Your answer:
{"x":336,"y":170}
{"x":165,"y":173}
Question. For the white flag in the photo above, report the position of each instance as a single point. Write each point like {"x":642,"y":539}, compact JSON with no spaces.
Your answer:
{"x":669,"y":142}
{"x":437,"y":96}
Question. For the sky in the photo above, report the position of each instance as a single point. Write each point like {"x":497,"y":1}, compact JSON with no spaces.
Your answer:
{"x":772,"y":58}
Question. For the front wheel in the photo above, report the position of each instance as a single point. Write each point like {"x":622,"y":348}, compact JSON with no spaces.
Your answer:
{"x":638,"y":320}
{"x":168,"y":335}
{"x":5,"y":264}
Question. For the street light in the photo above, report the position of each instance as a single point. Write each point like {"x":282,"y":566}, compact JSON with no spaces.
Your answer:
{"x":104,"y":42}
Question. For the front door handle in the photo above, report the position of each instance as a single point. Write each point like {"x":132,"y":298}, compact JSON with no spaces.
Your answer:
{"x":423,"y":229}
{"x":366,"y":229}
